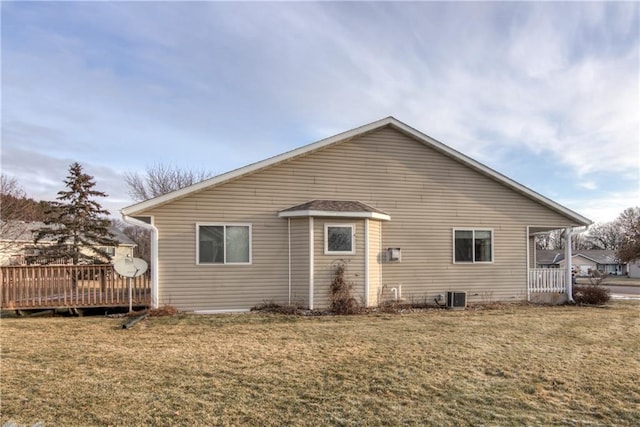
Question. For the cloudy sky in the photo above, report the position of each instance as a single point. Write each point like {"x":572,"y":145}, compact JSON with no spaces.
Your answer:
{"x":546,"y":93}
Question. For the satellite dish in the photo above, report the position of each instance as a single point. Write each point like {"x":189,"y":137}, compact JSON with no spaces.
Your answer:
{"x":130,"y":267}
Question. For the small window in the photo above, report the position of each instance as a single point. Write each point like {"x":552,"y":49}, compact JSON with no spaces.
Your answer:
{"x":473,"y":246}
{"x":339,"y":239}
{"x":110,"y":250}
{"x":223,"y":244}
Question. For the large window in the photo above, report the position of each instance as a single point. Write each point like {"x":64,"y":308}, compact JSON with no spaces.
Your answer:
{"x":339,"y":239}
{"x":473,"y":246}
{"x":223,"y":244}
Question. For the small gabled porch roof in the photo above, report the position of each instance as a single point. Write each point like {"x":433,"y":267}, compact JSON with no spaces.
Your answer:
{"x":334,"y":208}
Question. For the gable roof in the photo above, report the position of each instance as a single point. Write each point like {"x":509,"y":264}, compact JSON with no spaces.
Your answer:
{"x":343,"y":137}
{"x":599,"y":256}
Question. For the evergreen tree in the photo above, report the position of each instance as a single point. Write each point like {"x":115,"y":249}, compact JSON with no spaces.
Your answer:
{"x":77,"y":224}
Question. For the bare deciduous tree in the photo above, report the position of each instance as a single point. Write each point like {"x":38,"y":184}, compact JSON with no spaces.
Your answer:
{"x":605,"y":235}
{"x":160,"y":179}
{"x":629,"y":224}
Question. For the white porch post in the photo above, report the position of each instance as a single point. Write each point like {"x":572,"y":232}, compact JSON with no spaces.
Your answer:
{"x":567,"y":256}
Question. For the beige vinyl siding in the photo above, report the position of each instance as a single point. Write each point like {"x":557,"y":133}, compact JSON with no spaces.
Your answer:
{"x":532,"y":252}
{"x":376,"y":257}
{"x":324,"y":263}
{"x":300,"y":262}
{"x":426,"y":194}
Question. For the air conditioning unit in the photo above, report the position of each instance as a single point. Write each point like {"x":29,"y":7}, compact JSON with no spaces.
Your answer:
{"x":456,"y":300}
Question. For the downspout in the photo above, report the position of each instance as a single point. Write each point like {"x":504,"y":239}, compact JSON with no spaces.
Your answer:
{"x":380,"y":266}
{"x":567,"y":255}
{"x":154,"y":255}
{"x":289,"y":237}
{"x":366,"y":262}
{"x":311,"y":263}
{"x":528,"y":265}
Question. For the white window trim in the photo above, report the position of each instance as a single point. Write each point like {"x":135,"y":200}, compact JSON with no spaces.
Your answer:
{"x":326,"y":239}
{"x":473,"y":246}
{"x":224,"y":225}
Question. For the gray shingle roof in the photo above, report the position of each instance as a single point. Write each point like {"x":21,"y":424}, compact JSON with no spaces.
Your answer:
{"x":334,"y":206}
{"x":599,"y":256}
{"x":21,"y":231}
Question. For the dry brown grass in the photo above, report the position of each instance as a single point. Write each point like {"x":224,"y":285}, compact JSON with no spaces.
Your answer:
{"x":504,"y":366}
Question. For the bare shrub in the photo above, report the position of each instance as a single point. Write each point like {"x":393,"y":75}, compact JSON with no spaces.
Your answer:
{"x":342,"y":302}
{"x":165,"y":310}
{"x":591,"y":294}
{"x":272,"y":307}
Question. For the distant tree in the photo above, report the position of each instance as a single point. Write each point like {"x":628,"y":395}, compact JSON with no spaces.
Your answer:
{"x":77,"y":222}
{"x":15,"y":205}
{"x":16,"y":211}
{"x":629,"y":224}
{"x":555,"y":241}
{"x":550,"y":241}
{"x":160,"y":179}
{"x":605,"y":235}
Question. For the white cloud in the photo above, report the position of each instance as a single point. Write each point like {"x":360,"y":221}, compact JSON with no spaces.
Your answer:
{"x":607,"y":208}
{"x":219,"y":85}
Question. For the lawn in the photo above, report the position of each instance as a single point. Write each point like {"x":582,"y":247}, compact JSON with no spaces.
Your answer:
{"x":508,"y":365}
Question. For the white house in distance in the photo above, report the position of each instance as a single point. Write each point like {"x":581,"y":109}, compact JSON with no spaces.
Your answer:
{"x":399,"y":209}
{"x":634,"y":269}
{"x":17,"y":243}
{"x":584,"y":261}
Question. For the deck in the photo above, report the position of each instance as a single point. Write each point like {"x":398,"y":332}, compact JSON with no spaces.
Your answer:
{"x":70,"y":286}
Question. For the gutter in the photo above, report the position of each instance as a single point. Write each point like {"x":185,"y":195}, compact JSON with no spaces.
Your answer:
{"x":154,"y":254}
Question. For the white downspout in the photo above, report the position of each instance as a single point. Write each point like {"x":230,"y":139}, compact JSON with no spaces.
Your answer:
{"x":154,"y":255}
{"x":289,"y":237}
{"x":366,"y":262}
{"x":311,"y":263}
{"x":380,"y":265}
{"x":567,"y":256}
{"x":528,"y":265}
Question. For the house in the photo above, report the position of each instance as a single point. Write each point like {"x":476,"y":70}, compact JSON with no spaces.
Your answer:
{"x":18,"y":248}
{"x":398,"y":209}
{"x":584,"y":261}
{"x":634,"y":269}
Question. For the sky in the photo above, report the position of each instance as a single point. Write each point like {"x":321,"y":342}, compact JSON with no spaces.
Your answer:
{"x":546,"y":93}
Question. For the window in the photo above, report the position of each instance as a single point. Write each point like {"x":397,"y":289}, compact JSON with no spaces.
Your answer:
{"x":223,"y":244}
{"x":339,"y":239}
{"x":473,"y":246}
{"x":110,"y":250}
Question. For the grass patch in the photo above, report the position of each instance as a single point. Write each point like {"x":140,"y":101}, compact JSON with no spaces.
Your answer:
{"x":502,"y":366}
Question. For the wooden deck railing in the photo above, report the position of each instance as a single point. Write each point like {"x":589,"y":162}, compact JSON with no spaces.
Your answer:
{"x":547,"y":280}
{"x":58,"y":286}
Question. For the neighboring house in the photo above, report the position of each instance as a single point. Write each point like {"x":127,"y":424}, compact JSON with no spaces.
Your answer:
{"x":398,"y":208}
{"x":634,"y":269}
{"x":583,"y":261}
{"x":17,"y":244}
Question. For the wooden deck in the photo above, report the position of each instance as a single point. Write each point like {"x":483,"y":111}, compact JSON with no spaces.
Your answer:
{"x":69,"y":286}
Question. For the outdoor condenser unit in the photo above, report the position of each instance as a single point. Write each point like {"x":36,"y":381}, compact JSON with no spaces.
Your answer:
{"x":456,"y":300}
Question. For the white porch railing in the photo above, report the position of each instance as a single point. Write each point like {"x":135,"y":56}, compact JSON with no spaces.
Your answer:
{"x":547,"y":280}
